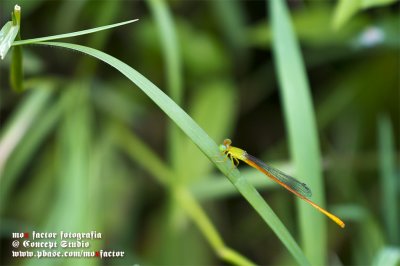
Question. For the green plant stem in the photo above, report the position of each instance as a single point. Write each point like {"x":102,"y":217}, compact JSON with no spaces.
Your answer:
{"x":16,"y":72}
{"x":193,"y":209}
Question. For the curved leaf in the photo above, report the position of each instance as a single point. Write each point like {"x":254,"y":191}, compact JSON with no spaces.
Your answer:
{"x":202,"y":140}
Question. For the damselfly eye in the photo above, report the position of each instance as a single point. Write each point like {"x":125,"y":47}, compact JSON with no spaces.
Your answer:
{"x":222,"y":148}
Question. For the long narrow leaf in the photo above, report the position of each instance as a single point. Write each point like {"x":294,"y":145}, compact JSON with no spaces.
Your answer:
{"x":20,"y":123}
{"x":301,"y":126}
{"x":7,"y":35}
{"x":72,"y":34}
{"x":202,"y":140}
{"x":389,"y":180}
{"x":173,"y":72}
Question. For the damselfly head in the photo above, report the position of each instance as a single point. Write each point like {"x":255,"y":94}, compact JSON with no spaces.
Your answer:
{"x":227,"y":142}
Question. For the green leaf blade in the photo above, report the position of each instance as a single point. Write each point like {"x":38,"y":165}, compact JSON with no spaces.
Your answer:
{"x":72,"y":34}
{"x":7,"y":36}
{"x":389,"y":180}
{"x":302,"y":129}
{"x":202,"y":140}
{"x":344,"y":11}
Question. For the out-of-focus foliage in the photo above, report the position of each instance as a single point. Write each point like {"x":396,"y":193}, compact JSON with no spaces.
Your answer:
{"x":82,"y":147}
{"x":346,"y":9}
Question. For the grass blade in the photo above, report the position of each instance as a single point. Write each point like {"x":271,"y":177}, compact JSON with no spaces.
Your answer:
{"x":7,"y":36}
{"x":173,"y":72}
{"x":389,"y":180}
{"x":21,"y":122}
{"x":302,"y":129}
{"x":29,"y":143}
{"x":71,"y":34}
{"x":387,"y":256}
{"x":184,"y":198}
{"x":202,"y":140}
{"x":344,"y":11}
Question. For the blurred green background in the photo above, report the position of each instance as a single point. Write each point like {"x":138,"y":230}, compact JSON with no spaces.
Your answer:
{"x":83,"y":149}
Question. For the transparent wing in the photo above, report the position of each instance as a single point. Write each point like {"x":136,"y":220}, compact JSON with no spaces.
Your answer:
{"x":289,"y":181}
